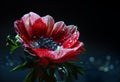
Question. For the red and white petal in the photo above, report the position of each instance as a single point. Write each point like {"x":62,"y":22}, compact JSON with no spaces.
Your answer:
{"x":33,"y":17}
{"x":49,"y":21}
{"x":66,"y":54}
{"x":19,"y":28}
{"x":61,"y":52}
{"x":43,"y":53}
{"x":72,"y":29}
{"x":26,"y":21}
{"x":58,"y":27}
{"x":80,"y":49}
{"x":22,"y":33}
{"x":69,"y":30}
{"x":71,"y":41}
{"x":39,"y":28}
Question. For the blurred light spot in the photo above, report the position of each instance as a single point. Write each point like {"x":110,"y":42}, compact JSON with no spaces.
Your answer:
{"x":91,"y":59}
{"x":111,"y":66}
{"x":11,"y":63}
{"x":107,"y":63}
{"x":7,"y":64}
{"x":104,"y":68}
{"x":108,"y":57}
{"x":117,"y":62}
{"x":7,"y":57}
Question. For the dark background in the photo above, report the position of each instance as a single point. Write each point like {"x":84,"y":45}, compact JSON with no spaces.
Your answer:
{"x":97,"y":21}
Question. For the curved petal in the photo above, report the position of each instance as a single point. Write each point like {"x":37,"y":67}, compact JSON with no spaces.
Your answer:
{"x":33,"y":17}
{"x":49,"y":21}
{"x":26,"y":21}
{"x":57,"y":29}
{"x":71,"y":41}
{"x":43,"y":53}
{"x":61,"y":54}
{"x":72,"y":28}
{"x":69,"y":54}
{"x":39,"y":28}
{"x":21,"y":31}
{"x":69,"y":30}
{"x":29,"y":20}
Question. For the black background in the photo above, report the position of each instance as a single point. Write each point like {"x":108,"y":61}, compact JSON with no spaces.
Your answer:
{"x":97,"y":21}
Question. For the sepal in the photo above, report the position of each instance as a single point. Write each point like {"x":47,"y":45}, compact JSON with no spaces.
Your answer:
{"x":12,"y":44}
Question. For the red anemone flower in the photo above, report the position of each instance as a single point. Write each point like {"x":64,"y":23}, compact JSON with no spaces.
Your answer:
{"x":48,"y":40}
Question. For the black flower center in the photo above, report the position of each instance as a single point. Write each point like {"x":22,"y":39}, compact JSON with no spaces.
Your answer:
{"x":47,"y":43}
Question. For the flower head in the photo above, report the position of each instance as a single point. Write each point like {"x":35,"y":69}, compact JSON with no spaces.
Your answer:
{"x":45,"y":38}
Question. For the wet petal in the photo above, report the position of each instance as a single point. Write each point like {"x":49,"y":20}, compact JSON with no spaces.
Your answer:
{"x":33,"y":17}
{"x":39,"y":28}
{"x":72,"y":29}
{"x":43,"y":53}
{"x":66,"y":33}
{"x":20,"y":29}
{"x":49,"y":21}
{"x":22,"y":33}
{"x":71,"y":41}
{"x":58,"y":26}
{"x":67,"y":54}
{"x":26,"y":21}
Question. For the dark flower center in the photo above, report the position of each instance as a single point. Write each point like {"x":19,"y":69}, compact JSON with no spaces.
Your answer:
{"x":47,"y":43}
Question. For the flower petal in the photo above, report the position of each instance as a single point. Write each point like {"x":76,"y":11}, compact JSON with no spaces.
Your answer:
{"x":72,"y":29}
{"x":58,"y":27}
{"x":33,"y":17}
{"x":29,"y":20}
{"x":39,"y":28}
{"x":65,"y":54}
{"x":71,"y":41}
{"x":66,"y":33}
{"x":61,"y":54}
{"x":49,"y":21}
{"x":43,"y":53}
{"x":21,"y":31}
{"x":26,"y":21}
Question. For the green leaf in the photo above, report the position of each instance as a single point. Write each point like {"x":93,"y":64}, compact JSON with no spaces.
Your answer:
{"x":50,"y":75}
{"x":28,"y":78}
{"x":73,"y":69}
{"x":63,"y":72}
{"x":11,"y":44}
{"x":20,"y":66}
{"x":80,"y":72}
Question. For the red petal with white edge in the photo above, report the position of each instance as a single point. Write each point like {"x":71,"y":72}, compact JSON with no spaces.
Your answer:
{"x":67,"y":54}
{"x":33,"y":17}
{"x":61,"y":54}
{"x":43,"y":53}
{"x":26,"y":21}
{"x":21,"y":31}
{"x":49,"y":21}
{"x":72,"y":29}
{"x":57,"y":29}
{"x":39,"y":28}
{"x":65,"y":34}
{"x":71,"y":41}
{"x":29,"y":20}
